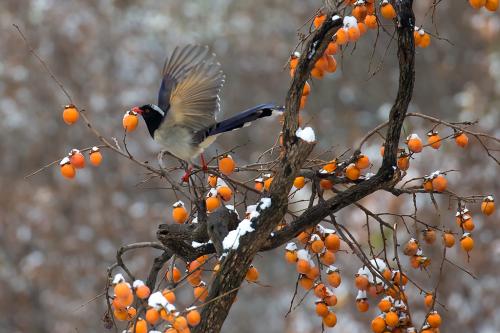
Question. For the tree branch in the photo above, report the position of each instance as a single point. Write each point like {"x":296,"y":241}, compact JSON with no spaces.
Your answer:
{"x":236,"y":263}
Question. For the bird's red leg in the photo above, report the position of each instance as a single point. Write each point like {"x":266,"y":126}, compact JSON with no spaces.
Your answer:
{"x":185,"y":178}
{"x":204,"y":165}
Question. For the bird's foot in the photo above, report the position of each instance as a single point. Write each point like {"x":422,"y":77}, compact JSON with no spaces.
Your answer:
{"x":186,"y":176}
{"x":204,"y":165}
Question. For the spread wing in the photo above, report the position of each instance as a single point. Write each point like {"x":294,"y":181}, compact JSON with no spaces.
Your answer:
{"x":190,"y":88}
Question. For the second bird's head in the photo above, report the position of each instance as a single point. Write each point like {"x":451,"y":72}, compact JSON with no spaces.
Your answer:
{"x":152,"y":114}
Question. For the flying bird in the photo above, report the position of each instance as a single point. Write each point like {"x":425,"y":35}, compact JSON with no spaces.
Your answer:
{"x":184,"y":120}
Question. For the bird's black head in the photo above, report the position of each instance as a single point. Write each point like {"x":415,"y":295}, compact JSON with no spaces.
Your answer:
{"x":153,"y":116}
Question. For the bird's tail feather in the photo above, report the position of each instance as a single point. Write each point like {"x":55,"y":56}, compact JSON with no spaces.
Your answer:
{"x":245,"y":118}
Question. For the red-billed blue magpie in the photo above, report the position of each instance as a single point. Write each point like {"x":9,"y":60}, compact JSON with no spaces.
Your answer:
{"x":184,"y":121}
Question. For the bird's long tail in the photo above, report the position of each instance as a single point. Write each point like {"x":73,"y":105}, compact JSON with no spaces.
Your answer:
{"x":245,"y":118}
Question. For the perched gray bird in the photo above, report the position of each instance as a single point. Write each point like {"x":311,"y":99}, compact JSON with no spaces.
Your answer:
{"x":184,"y":121}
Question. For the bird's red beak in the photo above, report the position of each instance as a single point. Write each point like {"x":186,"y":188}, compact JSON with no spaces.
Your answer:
{"x":137,"y":110}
